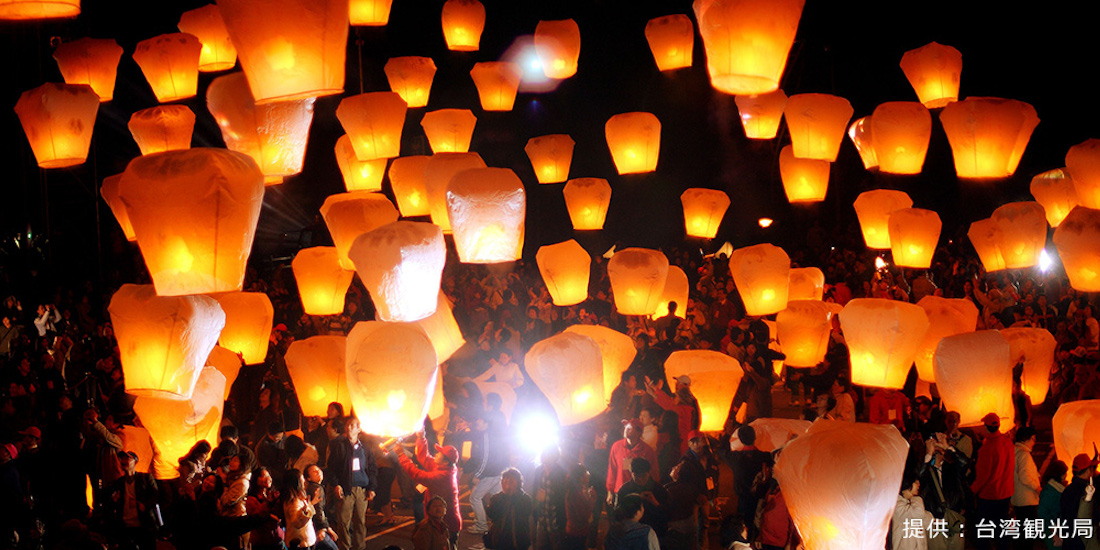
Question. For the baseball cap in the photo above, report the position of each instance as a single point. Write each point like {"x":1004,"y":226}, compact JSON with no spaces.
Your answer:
{"x":1082,"y":462}
{"x":448,"y":451}
{"x":991,"y":419}
{"x":684,"y":379}
{"x":634,"y":423}
{"x":32,"y":431}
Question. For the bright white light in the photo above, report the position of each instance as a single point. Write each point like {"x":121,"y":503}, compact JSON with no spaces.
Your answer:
{"x":537,"y":432}
{"x":765,"y":222}
{"x":880,"y":263}
{"x":1045,"y":261}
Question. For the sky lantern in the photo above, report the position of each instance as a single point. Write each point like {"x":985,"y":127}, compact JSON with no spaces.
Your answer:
{"x":449,"y":130}
{"x":1022,"y":229}
{"x":162,"y":128}
{"x":497,"y":83}
{"x":1055,"y":190}
{"x":164,"y":341}
{"x":676,"y":290}
{"x":747,"y":43}
{"x":703,"y":211}
{"x":762,"y":275}
{"x":550,"y":157}
{"x":873,"y":208}
{"x":194,"y":213}
{"x":946,"y":317}
{"x":860,"y":134}
{"x":587,"y":200}
{"x":26,"y":10}
{"x":565,"y":269}
{"x":914,"y":233}
{"x":411,"y":78}
{"x":638,"y":277}
{"x":440,"y":169}
{"x":401,"y":264}
{"x":568,"y":368}
{"x":248,"y":321}
{"x":374,"y":122}
{"x":442,"y":329}
{"x":883,"y":338}
{"x":1034,"y":348}
{"x":170,"y":63}
{"x":1078,"y":242}
{"x":775,"y":433}
{"x":840,"y":481}
{"x":901,"y":130}
{"x":109,"y":192}
{"x":358,"y":175}
{"x":988,"y":135}
{"x":392,"y":372}
{"x":803,"y":331}
{"x":407,"y":180}
{"x":761,"y":114}
{"x":227,"y":363}
{"x":635,"y":141}
{"x":806,"y":283}
{"x":175,"y":426}
{"x":672,"y":40}
{"x":985,"y":237}
{"x":91,"y":61}
{"x":616,"y":350}
{"x":934,"y":71}
{"x":714,"y":379}
{"x":351,"y":214}
{"x":322,"y":283}
{"x":974,"y":375}
{"x":817,"y":123}
{"x":1083,"y":164}
{"x":205,"y":23}
{"x":58,"y":120}
{"x":487,"y":208}
{"x":558,"y":47}
{"x":804,"y":180}
{"x":463,"y":22}
{"x":1076,"y":428}
{"x":317,"y":369}
{"x":369,"y":13}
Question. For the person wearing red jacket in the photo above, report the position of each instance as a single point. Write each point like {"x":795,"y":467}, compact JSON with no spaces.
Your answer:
{"x":623,"y":452}
{"x":994,"y":478}
{"x":439,"y":475}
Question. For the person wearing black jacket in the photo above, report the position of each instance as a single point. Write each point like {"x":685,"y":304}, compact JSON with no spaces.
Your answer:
{"x":488,"y":458}
{"x":510,"y":512}
{"x":352,"y":477}
{"x":944,"y":487}
{"x":653,"y":494}
{"x":132,"y":502}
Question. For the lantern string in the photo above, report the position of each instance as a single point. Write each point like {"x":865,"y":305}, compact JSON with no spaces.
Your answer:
{"x":359,"y":50}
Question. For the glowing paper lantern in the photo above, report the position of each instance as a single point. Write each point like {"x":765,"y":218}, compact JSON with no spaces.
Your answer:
{"x":616,"y":350}
{"x":883,"y":338}
{"x":449,"y":130}
{"x":988,"y":135}
{"x":109,"y":191}
{"x":550,"y":157}
{"x":206,"y":24}
{"x":747,"y":42}
{"x":568,"y":368}
{"x":369,"y":13}
{"x":638,"y":278}
{"x":463,"y":21}
{"x":914,"y":233}
{"x":1078,"y":242}
{"x":401,"y":264}
{"x":163,"y":128}
{"x":274,"y":135}
{"x":934,"y":71}
{"x":817,"y":123}
{"x":322,"y":283}
{"x":672,"y":40}
{"x":497,"y":83}
{"x":411,"y":78}
{"x":351,"y":214}
{"x":775,"y":433}
{"x":565,"y":269}
{"x":91,"y":61}
{"x":760,"y":114}
{"x":676,"y":290}
{"x":946,"y":317}
{"x":136,"y":440}
{"x":873,"y":208}
{"x":194,"y":213}
{"x":1076,"y":428}
{"x":974,"y":375}
{"x":227,"y":363}
{"x":635,"y":142}
{"x":840,"y":481}
{"x":248,"y":319}
{"x":170,"y":63}
{"x":374,"y":122}
{"x":806,"y":283}
{"x":804,"y":180}
{"x":587,"y":200}
{"x":487,"y":208}
{"x":558,"y":47}
{"x":317,"y":369}
{"x":1022,"y":229}
{"x":1083,"y":163}
{"x":803,"y":332}
{"x":391,"y":373}
{"x":985,"y":237}
{"x":290,"y":49}
{"x":175,"y":426}
{"x":1034,"y":347}
{"x":358,"y":175}
{"x":1055,"y":190}
{"x":703,"y":211}
{"x":901,"y":131}
{"x":762,"y":275}
{"x":163,"y":342}
{"x":443,"y":331}
{"x":58,"y":120}
{"x":714,"y":379}
{"x":23,"y":10}
{"x":437,"y":175}
{"x":860,"y":134}
{"x":407,"y":180}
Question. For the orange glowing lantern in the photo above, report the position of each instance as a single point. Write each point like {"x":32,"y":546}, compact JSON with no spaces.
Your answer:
{"x":676,"y":290}
{"x":760,"y":114}
{"x":568,"y":368}
{"x":1076,"y":428}
{"x":946,"y":317}
{"x":558,"y":47}
{"x":703,"y":211}
{"x":804,"y":180}
{"x":873,"y":208}
{"x":550,"y":157}
{"x":1054,"y":189}
{"x":369,"y":13}
{"x":883,"y":339}
{"x":442,"y":330}
{"x":227,"y":363}
{"x":401,"y":264}
{"x":817,"y":123}
{"x":1034,"y":348}
{"x":163,"y":128}
{"x":988,"y":135}
{"x":109,"y":192}
{"x":1083,"y":163}
{"x":463,"y":21}
{"x":587,"y":200}
{"x":860,"y":134}
{"x":194,"y":213}
{"x":351,"y":214}
{"x":91,"y":61}
{"x":322,"y":283}
{"x":762,"y":275}
{"x":1022,"y":231}
{"x":437,"y":175}
{"x":714,"y":378}
{"x":635,"y":142}
{"x":974,"y":375}
{"x":170,"y":63}
{"x":206,"y":24}
{"x":1078,"y":242}
{"x":914,"y":233}
{"x":317,"y":369}
{"x":163,"y":342}
{"x":934,"y":71}
{"x":901,"y":130}
{"x":985,"y":236}
{"x":411,"y":78}
{"x":672,"y":40}
{"x":58,"y":120}
{"x":638,"y":277}
{"x":26,"y":10}
{"x":616,"y":350}
{"x":803,"y":331}
{"x":565,"y":269}
{"x":806,"y":283}
{"x":487,"y":209}
{"x":175,"y":426}
{"x":374,"y":122}
{"x":407,"y":180}
{"x":497,"y":83}
{"x":248,"y":318}
{"x":449,"y":130}
{"x":358,"y":175}
{"x":747,"y":43}
{"x":392,"y":371}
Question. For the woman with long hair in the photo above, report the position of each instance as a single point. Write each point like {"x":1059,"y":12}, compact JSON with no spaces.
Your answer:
{"x":191,"y":468}
{"x":262,"y":502}
{"x":298,"y":511}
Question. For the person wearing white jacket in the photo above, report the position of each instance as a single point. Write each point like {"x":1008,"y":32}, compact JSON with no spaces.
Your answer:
{"x":909,"y":527}
{"x":1025,"y":496}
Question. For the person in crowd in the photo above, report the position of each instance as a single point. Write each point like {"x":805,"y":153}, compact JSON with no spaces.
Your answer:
{"x":653,"y":494}
{"x":595,"y":460}
{"x":488,"y":458}
{"x":298,"y":511}
{"x":353,"y":478}
{"x":439,"y":475}
{"x":1084,"y":469}
{"x":623,"y":452}
{"x":943,"y":474}
{"x":1025,"y":495}
{"x":775,"y":528}
{"x":263,"y":502}
{"x":315,"y":493}
{"x":550,"y":513}
{"x":888,"y":406}
{"x":511,"y":514}
{"x":993,"y":478}
{"x":299,"y":454}
{"x":910,"y":522}
{"x":271,"y":451}
{"x":580,"y":501}
{"x":230,"y":433}
{"x":626,"y":531}
{"x":683,"y":403}
{"x":133,"y":504}
{"x":746,"y":463}
{"x":432,"y":533}
{"x":192,"y":468}
{"x":1050,"y":499}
